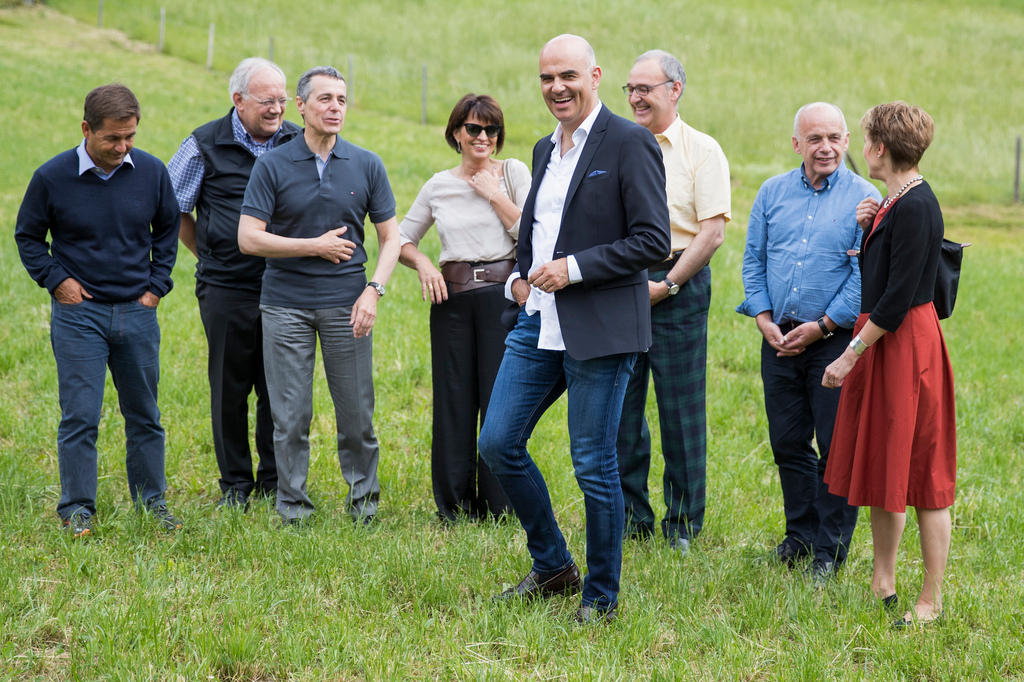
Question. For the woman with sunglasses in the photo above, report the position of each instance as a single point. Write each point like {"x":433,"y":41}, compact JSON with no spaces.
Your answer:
{"x":894,"y":443}
{"x":476,"y":207}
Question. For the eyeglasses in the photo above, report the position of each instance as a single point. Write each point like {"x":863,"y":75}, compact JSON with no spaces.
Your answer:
{"x":474,"y":129}
{"x":642,"y":90}
{"x":267,"y":103}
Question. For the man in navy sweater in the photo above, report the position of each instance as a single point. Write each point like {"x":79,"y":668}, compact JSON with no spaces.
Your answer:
{"x":112,"y":221}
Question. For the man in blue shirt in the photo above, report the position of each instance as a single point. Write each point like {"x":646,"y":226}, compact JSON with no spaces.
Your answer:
{"x":802,"y":287}
{"x":209,"y":172}
{"x":303,"y":211}
{"x":112,"y":222}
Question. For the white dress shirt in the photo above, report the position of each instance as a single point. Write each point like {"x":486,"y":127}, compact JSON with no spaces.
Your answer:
{"x":547,"y":221}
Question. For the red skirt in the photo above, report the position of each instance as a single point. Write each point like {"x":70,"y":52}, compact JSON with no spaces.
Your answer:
{"x":894,"y":442}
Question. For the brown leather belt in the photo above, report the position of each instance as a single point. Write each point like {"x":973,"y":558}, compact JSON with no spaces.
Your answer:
{"x":666,"y":265}
{"x":460,"y":276}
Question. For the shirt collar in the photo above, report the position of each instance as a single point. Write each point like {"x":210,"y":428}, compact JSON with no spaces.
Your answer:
{"x":673,"y":134}
{"x":829,"y":181}
{"x":242,"y":135}
{"x":582,"y":132}
{"x":301,"y":151}
{"x":85,"y":162}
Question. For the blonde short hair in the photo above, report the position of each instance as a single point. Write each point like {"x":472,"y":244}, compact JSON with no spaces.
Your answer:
{"x":904,"y":129}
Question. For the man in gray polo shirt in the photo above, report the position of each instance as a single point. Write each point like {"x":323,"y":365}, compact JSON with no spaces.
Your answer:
{"x":303,"y":211}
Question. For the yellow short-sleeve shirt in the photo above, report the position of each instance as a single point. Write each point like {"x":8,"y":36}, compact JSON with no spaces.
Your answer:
{"x":696,"y":180}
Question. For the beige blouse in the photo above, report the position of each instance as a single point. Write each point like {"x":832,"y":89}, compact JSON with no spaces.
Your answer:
{"x":469,"y":228}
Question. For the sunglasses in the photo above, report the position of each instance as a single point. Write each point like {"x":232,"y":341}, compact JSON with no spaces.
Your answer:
{"x":474,"y":129}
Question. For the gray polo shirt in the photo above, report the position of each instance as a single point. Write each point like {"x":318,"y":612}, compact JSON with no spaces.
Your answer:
{"x":286,"y":191}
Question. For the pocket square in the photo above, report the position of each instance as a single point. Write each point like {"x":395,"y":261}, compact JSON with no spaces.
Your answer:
{"x":597,"y":173}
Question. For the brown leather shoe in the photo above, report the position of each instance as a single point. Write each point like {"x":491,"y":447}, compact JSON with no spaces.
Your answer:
{"x":544,"y":585}
{"x":589,"y":615}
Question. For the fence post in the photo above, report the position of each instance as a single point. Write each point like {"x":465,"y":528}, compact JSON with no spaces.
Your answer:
{"x":99,"y":15}
{"x":348,"y":75}
{"x":1016,"y":176}
{"x":209,"y":50}
{"x":423,"y":98}
{"x":163,"y":22}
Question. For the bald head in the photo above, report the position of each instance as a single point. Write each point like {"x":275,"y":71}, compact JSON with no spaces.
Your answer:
{"x":569,"y":77}
{"x":818,"y":110}
{"x":572,"y":43}
{"x":820,"y":136}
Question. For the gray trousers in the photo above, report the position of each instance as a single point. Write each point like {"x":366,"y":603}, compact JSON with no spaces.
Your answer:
{"x":289,"y":352}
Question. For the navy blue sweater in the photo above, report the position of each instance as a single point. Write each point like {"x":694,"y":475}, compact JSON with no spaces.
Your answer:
{"x":117,"y":237}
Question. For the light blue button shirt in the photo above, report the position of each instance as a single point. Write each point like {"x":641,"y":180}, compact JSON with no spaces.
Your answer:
{"x":797,"y":261}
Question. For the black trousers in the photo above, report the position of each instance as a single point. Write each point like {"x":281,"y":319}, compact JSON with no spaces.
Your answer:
{"x":234,"y":334}
{"x":799,"y":409}
{"x":467,"y":341}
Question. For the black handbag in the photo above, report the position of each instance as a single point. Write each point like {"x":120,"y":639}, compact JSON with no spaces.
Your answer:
{"x":947,"y":279}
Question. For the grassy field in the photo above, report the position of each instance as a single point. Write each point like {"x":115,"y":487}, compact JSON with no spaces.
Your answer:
{"x":235,"y":597}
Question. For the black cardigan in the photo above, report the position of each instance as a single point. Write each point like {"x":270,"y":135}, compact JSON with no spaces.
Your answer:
{"x":898,"y":261}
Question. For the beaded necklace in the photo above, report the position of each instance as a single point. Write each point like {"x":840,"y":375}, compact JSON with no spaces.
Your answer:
{"x":908,"y":183}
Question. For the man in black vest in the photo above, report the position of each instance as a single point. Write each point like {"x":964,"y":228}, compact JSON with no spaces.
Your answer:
{"x":209,"y":173}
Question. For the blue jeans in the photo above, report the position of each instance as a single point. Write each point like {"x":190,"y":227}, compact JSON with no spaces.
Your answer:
{"x":528,"y":382}
{"x":87,"y":338}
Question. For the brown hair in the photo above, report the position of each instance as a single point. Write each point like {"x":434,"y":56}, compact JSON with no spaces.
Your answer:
{"x":904,"y":129}
{"x":485,"y":108}
{"x":114,"y":101}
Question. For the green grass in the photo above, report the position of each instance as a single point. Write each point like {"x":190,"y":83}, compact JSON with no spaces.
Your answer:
{"x":750,"y":65}
{"x":235,"y":597}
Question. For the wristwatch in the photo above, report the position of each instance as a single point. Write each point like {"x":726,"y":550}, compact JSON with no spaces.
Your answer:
{"x":673,"y":288}
{"x":379,"y":288}
{"x":825,"y":333}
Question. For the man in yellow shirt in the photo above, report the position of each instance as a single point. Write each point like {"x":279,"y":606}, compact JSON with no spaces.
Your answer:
{"x":697,"y":185}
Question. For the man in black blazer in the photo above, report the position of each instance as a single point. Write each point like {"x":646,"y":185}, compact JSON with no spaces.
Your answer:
{"x":595,"y":218}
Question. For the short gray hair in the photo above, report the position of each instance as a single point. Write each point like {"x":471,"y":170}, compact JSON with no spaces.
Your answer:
{"x":305,"y":84}
{"x":670,"y":66}
{"x":817,"y":105}
{"x":246,"y":69}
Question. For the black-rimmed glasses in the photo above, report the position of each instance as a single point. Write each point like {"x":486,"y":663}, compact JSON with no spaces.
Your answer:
{"x":642,"y":90}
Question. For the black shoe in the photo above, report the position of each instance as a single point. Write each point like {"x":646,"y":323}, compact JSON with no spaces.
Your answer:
{"x":821,"y":572}
{"x":790,"y":551}
{"x":910,"y":619}
{"x":165,"y":518}
{"x":78,"y":524}
{"x":891,"y":603}
{"x":233,"y":498}
{"x":590,"y":615}
{"x":296,"y":522}
{"x":544,"y":585}
{"x":679,"y":545}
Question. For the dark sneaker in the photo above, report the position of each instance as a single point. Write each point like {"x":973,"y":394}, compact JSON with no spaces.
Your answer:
{"x":79,"y":525}
{"x":165,"y":518}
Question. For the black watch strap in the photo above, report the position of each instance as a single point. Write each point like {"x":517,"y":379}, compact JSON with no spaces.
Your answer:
{"x":825,"y":333}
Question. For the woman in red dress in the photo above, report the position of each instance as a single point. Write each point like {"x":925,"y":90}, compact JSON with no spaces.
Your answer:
{"x":895,"y":436}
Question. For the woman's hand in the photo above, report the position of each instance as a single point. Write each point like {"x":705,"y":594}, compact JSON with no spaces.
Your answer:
{"x":486,"y":183}
{"x":866,"y":211}
{"x":835,"y":373}
{"x":432,"y":283}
